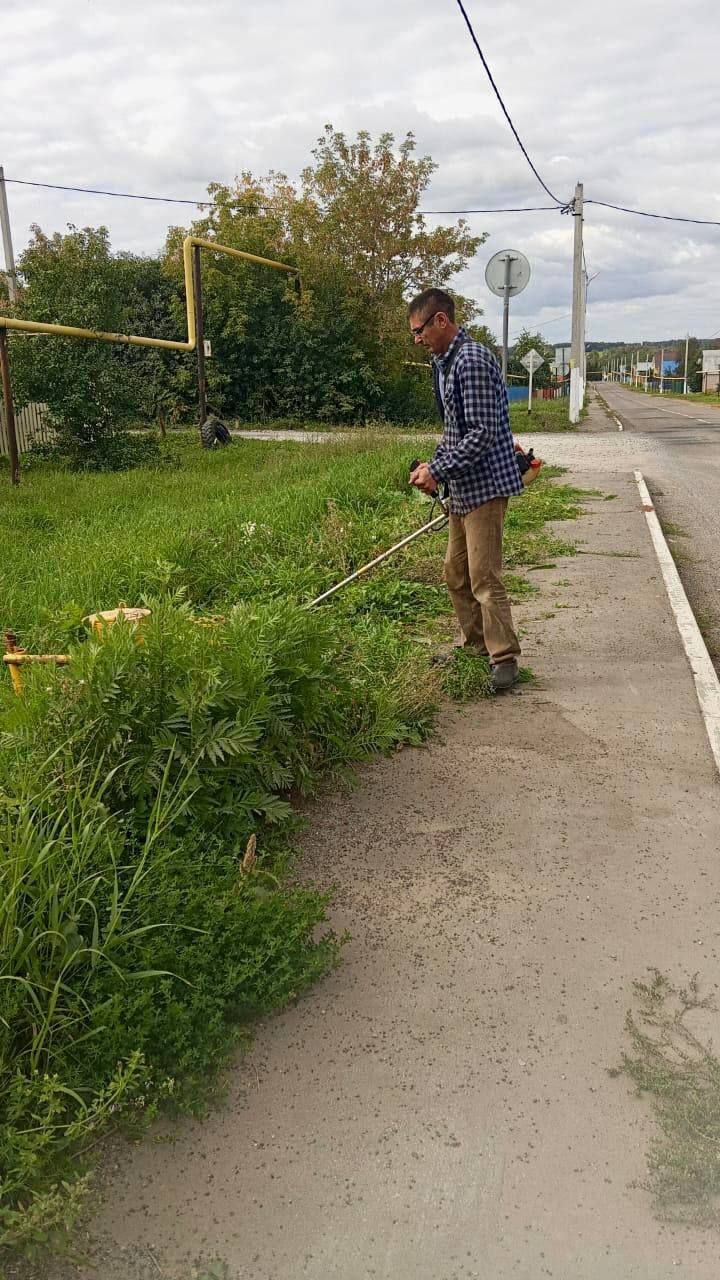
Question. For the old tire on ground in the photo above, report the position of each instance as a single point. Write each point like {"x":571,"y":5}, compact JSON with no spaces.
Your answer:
{"x":213,"y":432}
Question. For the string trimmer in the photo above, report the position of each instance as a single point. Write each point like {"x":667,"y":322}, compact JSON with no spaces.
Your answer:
{"x":434,"y":523}
{"x":528,"y":465}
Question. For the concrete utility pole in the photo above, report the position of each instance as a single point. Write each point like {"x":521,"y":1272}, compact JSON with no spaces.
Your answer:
{"x":7,"y":239}
{"x":577,"y":390}
{"x":687,"y":344}
{"x":583,"y":352}
{"x":662,"y":370}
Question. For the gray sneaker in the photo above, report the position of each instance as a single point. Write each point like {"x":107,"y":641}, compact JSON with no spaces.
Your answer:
{"x":505,"y":675}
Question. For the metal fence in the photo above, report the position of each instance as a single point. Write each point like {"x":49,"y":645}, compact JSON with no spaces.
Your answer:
{"x":32,"y":425}
{"x":556,"y":392}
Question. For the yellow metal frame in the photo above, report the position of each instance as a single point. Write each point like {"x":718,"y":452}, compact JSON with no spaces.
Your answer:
{"x":15,"y":657}
{"x":137,"y":340}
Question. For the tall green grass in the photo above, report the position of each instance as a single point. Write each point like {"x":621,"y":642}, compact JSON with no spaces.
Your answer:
{"x":546,"y":415}
{"x":148,"y":908}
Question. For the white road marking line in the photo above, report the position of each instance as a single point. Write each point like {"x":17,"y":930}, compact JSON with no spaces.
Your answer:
{"x":707,"y":685}
{"x":619,"y":423}
{"x":674,"y":413}
{"x":689,"y":416}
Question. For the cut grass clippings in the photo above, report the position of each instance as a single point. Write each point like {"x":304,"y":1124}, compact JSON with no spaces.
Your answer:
{"x":677,"y":1069}
{"x":148,"y":909}
{"x":466,"y":677}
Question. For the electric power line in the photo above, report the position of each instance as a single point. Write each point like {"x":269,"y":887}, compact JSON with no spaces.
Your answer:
{"x":207,"y":204}
{"x":532,"y":208}
{"x":506,"y":113}
{"x":621,"y":208}
{"x":545,"y":325}
{"x":95,"y":191}
{"x":664,"y":217}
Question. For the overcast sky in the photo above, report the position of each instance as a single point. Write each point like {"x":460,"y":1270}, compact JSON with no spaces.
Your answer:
{"x":164,"y":96}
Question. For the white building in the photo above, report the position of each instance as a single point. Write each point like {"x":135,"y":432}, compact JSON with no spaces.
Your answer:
{"x":711,"y":370}
{"x":562,"y":362}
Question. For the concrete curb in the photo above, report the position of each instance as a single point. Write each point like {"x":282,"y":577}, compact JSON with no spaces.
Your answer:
{"x":707,"y":685}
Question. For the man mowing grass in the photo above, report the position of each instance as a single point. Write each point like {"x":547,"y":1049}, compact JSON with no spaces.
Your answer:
{"x":476,"y":459}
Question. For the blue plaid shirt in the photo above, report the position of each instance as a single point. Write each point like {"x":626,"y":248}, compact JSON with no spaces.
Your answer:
{"x":476,"y":456}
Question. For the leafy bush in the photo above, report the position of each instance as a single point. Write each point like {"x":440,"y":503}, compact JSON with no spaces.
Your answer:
{"x":108,"y":450}
{"x":132,"y":933}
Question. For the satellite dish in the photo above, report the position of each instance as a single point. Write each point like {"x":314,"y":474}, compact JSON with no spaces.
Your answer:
{"x":496,"y":269}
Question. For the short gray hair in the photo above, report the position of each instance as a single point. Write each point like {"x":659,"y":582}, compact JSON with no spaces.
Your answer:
{"x":432,"y":300}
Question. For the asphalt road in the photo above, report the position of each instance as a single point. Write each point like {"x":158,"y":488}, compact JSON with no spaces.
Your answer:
{"x":681,"y":462}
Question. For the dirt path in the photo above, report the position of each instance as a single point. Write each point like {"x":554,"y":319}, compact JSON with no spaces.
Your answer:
{"x":440,"y":1108}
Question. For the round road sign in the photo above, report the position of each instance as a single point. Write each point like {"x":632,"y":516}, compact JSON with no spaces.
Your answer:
{"x":519,"y":272}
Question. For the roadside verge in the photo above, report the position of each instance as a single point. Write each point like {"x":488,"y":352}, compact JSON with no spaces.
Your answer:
{"x":441,"y":1106}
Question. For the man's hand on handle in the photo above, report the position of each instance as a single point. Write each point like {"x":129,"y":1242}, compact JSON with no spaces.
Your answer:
{"x":422,"y":479}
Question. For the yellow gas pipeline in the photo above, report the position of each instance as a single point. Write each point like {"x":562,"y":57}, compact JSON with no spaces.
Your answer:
{"x":137,"y":340}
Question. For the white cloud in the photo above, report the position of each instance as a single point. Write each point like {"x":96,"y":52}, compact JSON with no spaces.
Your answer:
{"x":163,"y":96}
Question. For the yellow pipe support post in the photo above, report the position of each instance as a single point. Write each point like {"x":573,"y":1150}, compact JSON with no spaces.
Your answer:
{"x":15,"y":657}
{"x":137,"y":340}
{"x":200,"y":338}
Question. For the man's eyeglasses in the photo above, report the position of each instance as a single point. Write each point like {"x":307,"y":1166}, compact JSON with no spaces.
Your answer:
{"x":416,"y":332}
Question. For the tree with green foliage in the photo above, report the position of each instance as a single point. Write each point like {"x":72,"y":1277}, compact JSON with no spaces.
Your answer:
{"x":694,"y":364}
{"x":338,"y":352}
{"x":154,"y":308}
{"x":91,"y":389}
{"x":360,"y":207}
{"x":526,"y":342}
